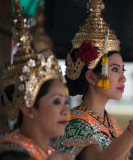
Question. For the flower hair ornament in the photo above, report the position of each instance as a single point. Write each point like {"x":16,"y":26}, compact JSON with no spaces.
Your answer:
{"x":29,"y":69}
{"x":94,"y":40}
{"x":87,"y":55}
{"x":104,"y":81}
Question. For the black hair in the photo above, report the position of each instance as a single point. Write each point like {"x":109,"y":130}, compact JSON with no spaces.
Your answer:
{"x":43,"y":91}
{"x":80,"y":85}
{"x":9,"y":91}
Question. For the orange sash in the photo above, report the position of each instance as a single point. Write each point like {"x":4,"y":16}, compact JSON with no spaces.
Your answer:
{"x":18,"y":142}
{"x":79,"y":114}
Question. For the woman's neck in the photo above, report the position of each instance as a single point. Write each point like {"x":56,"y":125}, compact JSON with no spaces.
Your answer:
{"x":96,"y":102}
{"x":35,"y":136}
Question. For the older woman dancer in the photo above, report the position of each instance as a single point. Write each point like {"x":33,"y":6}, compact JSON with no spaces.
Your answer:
{"x":35,"y":94}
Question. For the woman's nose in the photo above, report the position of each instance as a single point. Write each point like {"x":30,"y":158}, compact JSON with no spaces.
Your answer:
{"x":123,"y":78}
{"x":66,"y":110}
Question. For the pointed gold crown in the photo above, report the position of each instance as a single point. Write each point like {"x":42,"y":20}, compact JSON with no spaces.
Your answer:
{"x":93,"y":31}
{"x":29,"y":69}
{"x":95,"y":28}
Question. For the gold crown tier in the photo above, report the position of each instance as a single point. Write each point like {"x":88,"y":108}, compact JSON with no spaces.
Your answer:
{"x":95,"y":28}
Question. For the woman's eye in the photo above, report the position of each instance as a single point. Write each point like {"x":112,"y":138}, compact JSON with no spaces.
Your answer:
{"x":115,"y":69}
{"x":67,"y":103}
{"x":124,"y":70}
{"x":56,"y":101}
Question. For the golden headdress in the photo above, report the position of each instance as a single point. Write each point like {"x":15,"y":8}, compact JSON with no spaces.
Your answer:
{"x":96,"y":32}
{"x":29,"y":69}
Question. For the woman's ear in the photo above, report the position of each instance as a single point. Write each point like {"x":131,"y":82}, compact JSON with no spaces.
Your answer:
{"x":26,"y":111}
{"x":91,"y":77}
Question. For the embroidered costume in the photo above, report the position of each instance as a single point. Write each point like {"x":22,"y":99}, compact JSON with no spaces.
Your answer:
{"x":84,"y":130}
{"x":18,"y":144}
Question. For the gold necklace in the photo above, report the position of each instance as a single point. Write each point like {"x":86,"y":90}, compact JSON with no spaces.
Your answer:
{"x":107,"y":124}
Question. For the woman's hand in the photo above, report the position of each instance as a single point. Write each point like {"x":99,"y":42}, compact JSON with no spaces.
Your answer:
{"x":130,"y":127}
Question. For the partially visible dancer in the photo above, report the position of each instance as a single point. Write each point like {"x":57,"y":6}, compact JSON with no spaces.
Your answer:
{"x":95,"y":69}
{"x":132,"y":153}
{"x":33,"y":93}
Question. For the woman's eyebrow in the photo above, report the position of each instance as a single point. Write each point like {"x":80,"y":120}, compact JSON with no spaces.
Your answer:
{"x":116,"y":65}
{"x":60,"y":95}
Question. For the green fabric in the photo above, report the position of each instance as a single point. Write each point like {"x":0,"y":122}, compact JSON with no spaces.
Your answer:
{"x":76,"y":128}
{"x":80,"y":129}
{"x":13,"y":148}
{"x":81,"y":134}
{"x":30,"y":7}
{"x":16,"y":153}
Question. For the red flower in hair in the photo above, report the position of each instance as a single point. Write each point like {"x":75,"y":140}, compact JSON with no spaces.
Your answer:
{"x":87,"y":53}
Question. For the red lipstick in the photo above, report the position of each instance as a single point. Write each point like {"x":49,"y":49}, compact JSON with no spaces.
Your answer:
{"x":63,"y":122}
{"x":121,"y":88}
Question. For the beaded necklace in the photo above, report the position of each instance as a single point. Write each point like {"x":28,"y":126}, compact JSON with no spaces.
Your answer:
{"x":108,"y":123}
{"x":42,"y":153}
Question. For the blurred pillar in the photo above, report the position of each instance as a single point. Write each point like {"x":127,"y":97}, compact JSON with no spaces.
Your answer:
{"x":42,"y":40}
{"x":5,"y":51}
{"x":132,"y":153}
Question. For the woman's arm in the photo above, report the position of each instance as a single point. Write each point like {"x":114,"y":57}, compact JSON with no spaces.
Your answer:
{"x":117,"y":150}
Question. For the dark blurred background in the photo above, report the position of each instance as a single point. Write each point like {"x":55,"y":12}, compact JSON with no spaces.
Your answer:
{"x":65,"y":16}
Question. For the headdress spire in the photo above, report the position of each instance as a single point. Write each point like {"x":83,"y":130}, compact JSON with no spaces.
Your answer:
{"x":22,"y":37}
{"x":95,"y":28}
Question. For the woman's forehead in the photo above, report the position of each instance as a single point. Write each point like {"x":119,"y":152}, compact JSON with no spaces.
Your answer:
{"x":115,"y":58}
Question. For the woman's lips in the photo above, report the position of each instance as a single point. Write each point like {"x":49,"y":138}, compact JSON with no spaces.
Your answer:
{"x":63,"y":122}
{"x":121,"y":88}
